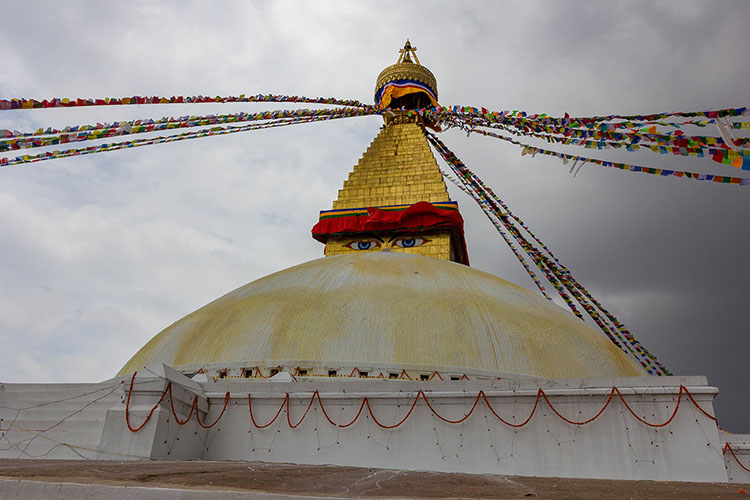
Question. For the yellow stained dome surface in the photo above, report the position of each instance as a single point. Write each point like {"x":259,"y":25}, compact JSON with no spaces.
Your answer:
{"x":387,"y":309}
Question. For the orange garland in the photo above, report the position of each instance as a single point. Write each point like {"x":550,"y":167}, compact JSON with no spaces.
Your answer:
{"x":148,"y":417}
{"x":609,"y":399}
{"x":286,"y":403}
{"x":168,"y":390}
{"x":539,"y":395}
{"x":731,"y":451}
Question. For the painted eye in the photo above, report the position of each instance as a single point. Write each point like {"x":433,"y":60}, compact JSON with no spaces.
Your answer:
{"x":363,"y":245}
{"x":410,"y":242}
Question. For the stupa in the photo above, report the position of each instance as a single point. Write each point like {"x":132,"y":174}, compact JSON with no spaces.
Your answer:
{"x":369,"y":306}
{"x":391,"y":351}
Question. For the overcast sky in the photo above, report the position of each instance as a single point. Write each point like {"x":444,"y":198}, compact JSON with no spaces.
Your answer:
{"x":99,"y":253}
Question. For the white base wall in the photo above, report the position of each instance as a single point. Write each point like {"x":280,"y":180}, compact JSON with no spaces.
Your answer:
{"x":616,"y":445}
{"x":736,"y":451}
{"x":60,"y":421}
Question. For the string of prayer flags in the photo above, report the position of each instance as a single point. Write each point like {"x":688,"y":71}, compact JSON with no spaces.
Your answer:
{"x":725,"y":148}
{"x":49,"y":137}
{"x":629,"y":132}
{"x":528,"y":149}
{"x":590,"y":121}
{"x":555,"y":273}
{"x":49,"y":155}
{"x":23,"y":103}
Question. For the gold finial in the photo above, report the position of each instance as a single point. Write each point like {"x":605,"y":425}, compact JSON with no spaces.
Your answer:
{"x":406,"y":69}
{"x":407,"y":52}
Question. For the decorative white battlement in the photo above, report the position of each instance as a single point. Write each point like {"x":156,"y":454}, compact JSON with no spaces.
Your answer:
{"x":656,"y":428}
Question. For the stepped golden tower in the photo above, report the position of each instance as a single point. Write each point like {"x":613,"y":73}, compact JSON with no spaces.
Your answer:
{"x":395,"y":199}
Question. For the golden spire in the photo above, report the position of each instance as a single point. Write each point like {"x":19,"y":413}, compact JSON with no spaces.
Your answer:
{"x":395,"y":199}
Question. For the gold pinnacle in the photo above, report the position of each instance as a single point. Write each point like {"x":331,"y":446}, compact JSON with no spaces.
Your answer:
{"x":407,"y":52}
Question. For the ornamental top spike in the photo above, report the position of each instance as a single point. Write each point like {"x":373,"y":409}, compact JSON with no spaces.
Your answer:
{"x":407,"y":52}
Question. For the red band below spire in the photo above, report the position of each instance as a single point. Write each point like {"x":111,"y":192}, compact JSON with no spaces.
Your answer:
{"x":419,"y":217}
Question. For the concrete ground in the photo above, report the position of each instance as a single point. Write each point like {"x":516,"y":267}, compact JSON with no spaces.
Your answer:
{"x":243,"y":479}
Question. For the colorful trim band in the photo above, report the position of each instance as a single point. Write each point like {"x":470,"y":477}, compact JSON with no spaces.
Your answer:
{"x":346,"y":212}
{"x":400,"y":88}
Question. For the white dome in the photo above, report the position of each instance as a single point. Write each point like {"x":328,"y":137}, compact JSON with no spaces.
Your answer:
{"x":388,"y":309}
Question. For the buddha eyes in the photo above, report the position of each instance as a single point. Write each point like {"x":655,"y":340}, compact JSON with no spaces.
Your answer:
{"x":363,"y":245}
{"x":409,"y":242}
{"x":398,"y":242}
